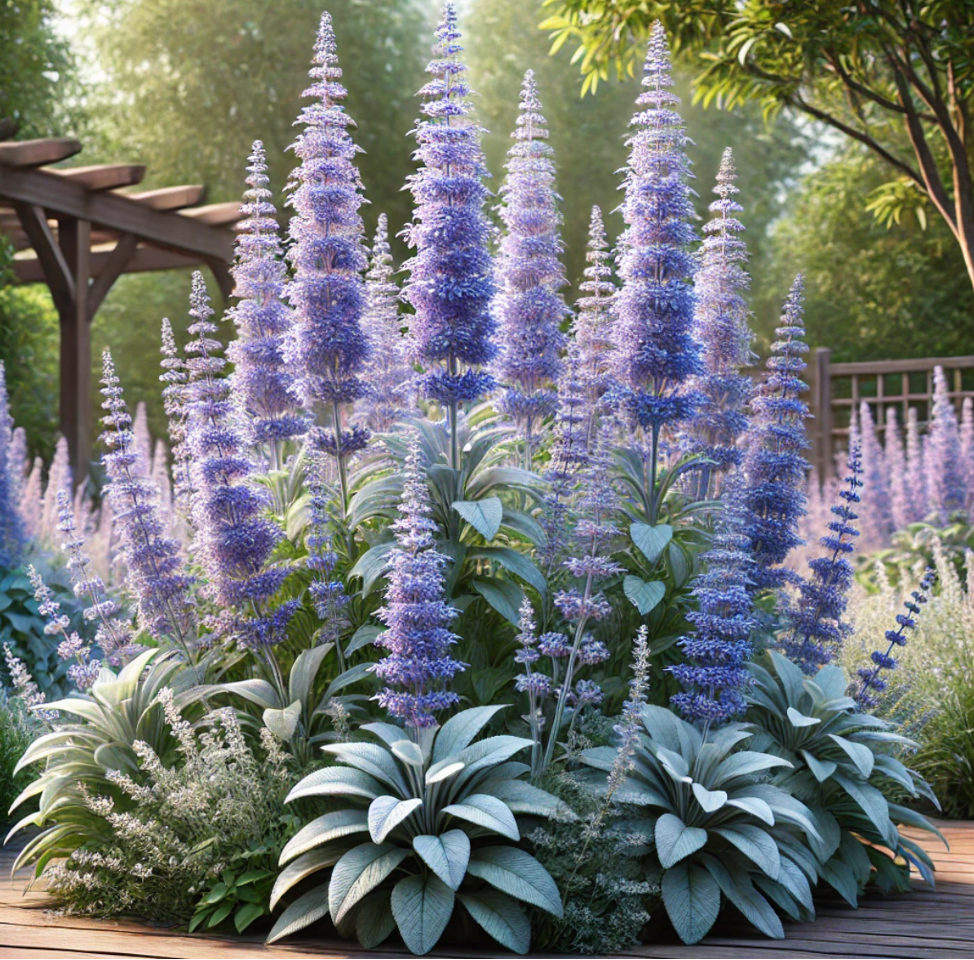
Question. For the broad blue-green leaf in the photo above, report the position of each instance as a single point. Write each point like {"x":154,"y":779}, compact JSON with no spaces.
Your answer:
{"x":302,"y":913}
{"x":489,"y":753}
{"x":422,"y":907}
{"x":461,"y":730}
{"x":283,"y":723}
{"x":800,"y":720}
{"x":363,"y":637}
{"x":842,"y":879}
{"x":517,"y":873}
{"x":503,"y":595}
{"x":754,"y":806}
{"x":517,"y":563}
{"x":256,"y":691}
{"x":756,"y":844}
{"x":710,"y":800}
{"x":483,"y":515}
{"x":652,"y":541}
{"x":374,"y":921}
{"x":443,"y":770}
{"x":301,"y":868}
{"x":675,"y":840}
{"x":372,"y":759}
{"x":643,"y":595}
{"x":446,"y":855}
{"x":744,"y":763}
{"x":794,"y":880}
{"x":821,"y":769}
{"x":304,"y":670}
{"x":386,"y":813}
{"x":372,"y":565}
{"x":501,"y":917}
{"x":873,"y":804}
{"x":408,"y":752}
{"x":487,"y":812}
{"x":359,"y":872}
{"x":737,"y":887}
{"x":523,"y":797}
{"x":858,"y":753}
{"x":692,"y":900}
{"x":336,"y":782}
{"x":323,"y":829}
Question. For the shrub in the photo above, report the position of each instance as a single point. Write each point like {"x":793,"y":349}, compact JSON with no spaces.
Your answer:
{"x":17,"y":729}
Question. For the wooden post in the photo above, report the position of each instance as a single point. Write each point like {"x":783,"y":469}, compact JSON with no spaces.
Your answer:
{"x":822,"y":447}
{"x":74,"y":238}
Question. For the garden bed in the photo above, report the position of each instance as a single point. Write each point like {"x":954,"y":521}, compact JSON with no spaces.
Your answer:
{"x":926,"y":923}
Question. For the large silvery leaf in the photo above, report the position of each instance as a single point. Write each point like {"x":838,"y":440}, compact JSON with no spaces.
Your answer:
{"x":737,"y":887}
{"x":756,"y":844}
{"x":675,"y":840}
{"x":483,"y":515}
{"x":516,"y":563}
{"x":336,"y":782}
{"x":710,"y":800}
{"x":821,"y":769}
{"x":800,"y":720}
{"x":501,"y":917}
{"x":487,"y":812}
{"x":489,"y":753}
{"x":652,"y":541}
{"x":692,"y":900}
{"x":302,"y":868}
{"x":745,"y":763}
{"x":323,"y":829}
{"x":256,"y":691}
{"x":359,"y":872}
{"x":283,"y":723}
{"x":523,"y":797}
{"x":302,"y":913}
{"x":644,"y":595}
{"x":372,"y":759}
{"x":503,"y":595}
{"x":374,"y":921}
{"x":304,"y":670}
{"x":460,"y":730}
{"x":446,"y":855}
{"x":386,"y":813}
{"x":873,"y":804}
{"x":517,"y":873}
{"x":422,"y":907}
{"x":858,"y":753}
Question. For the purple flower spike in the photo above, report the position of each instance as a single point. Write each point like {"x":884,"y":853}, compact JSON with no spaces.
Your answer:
{"x":775,"y":464}
{"x":656,"y":353}
{"x":877,"y":520}
{"x":390,"y":398}
{"x":13,"y":538}
{"x":327,"y":346}
{"x":260,"y":381}
{"x":529,"y":305}
{"x":451,"y":276}
{"x":816,"y":626}
{"x":592,"y":329}
{"x":722,"y":328}
{"x":943,"y":459}
{"x":155,"y":569}
{"x":419,"y":667}
{"x":714,"y":676}
{"x":233,"y":540}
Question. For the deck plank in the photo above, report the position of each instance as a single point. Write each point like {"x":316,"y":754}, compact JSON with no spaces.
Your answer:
{"x":927,"y":923}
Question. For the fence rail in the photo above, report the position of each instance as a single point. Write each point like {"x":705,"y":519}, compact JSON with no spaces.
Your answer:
{"x":838,"y":389}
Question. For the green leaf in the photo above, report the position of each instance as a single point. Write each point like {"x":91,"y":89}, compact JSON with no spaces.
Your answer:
{"x":483,"y":515}
{"x":386,"y":813}
{"x":503,"y":595}
{"x":216,"y":894}
{"x":517,"y":873}
{"x":873,"y":804}
{"x":821,"y":769}
{"x":500,"y":917}
{"x":644,"y":595}
{"x":374,"y":921}
{"x":692,"y":900}
{"x":675,"y":840}
{"x":283,"y":723}
{"x":652,"y":541}
{"x":461,"y":730}
{"x":363,"y":637}
{"x":331,"y":826}
{"x":446,"y":855}
{"x":359,"y":872}
{"x":220,"y":914}
{"x":303,"y":672}
{"x":308,"y":908}
{"x":422,"y":907}
{"x":517,"y":563}
{"x":487,"y":812}
{"x":858,"y":753}
{"x":302,"y":868}
{"x":756,"y":844}
{"x":246,"y":915}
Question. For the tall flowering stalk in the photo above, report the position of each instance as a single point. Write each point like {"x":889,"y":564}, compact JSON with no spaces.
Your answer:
{"x":530,"y":275}
{"x":967,"y":447}
{"x":327,"y":346}
{"x":59,"y":478}
{"x":175,"y":376}
{"x":943,"y":460}
{"x":233,"y":540}
{"x":656,"y":352}
{"x":878,"y":516}
{"x":389,"y":374}
{"x":451,"y":276}
{"x":900,"y":493}
{"x":774,"y":464}
{"x":592,"y":328}
{"x":722,"y":327}
{"x":816,"y":628}
{"x":12,"y":535}
{"x":714,"y":676}
{"x":418,"y":668}
{"x":260,"y":381}
{"x":580,"y":606}
{"x":872,"y":682}
{"x":155,"y":570}
{"x":919,"y":497}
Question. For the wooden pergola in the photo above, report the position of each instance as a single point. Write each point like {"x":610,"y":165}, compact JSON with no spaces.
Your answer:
{"x":74,"y":230}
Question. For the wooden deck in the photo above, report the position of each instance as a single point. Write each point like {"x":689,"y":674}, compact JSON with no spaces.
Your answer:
{"x":926,"y":923}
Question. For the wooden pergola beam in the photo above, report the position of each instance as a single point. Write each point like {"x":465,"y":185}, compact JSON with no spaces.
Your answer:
{"x":144,"y":259}
{"x":114,"y":211}
{"x":36,"y":153}
{"x":170,"y":198}
{"x":104,"y":176}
